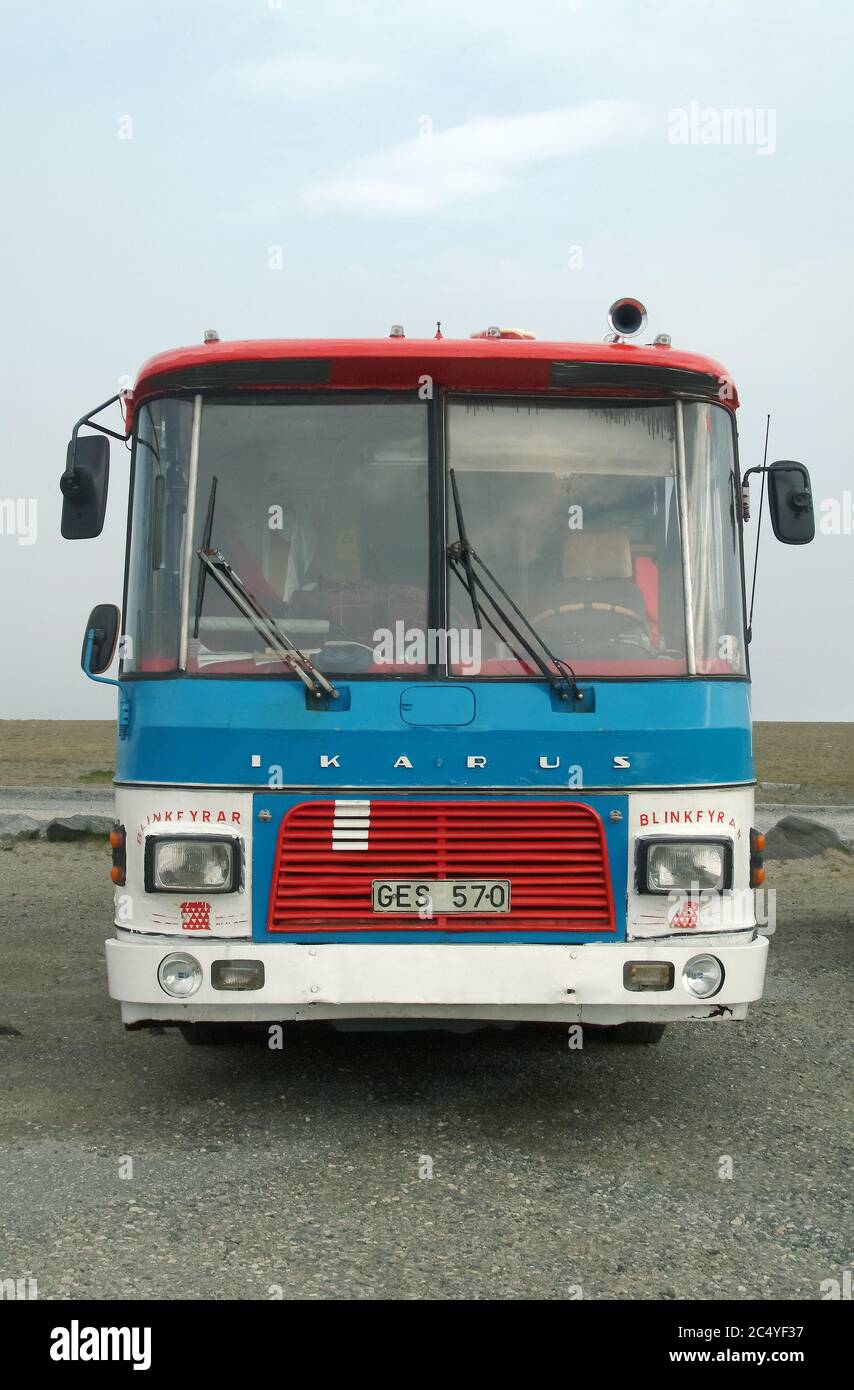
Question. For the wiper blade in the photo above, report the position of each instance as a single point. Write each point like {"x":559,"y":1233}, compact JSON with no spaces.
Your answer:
{"x":206,"y":545}
{"x":462,"y":558}
{"x":216,"y":565}
{"x":465,"y":550}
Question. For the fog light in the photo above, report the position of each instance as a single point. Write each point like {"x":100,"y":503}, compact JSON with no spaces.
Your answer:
{"x":703,"y":976}
{"x":179,"y":975}
{"x":237,"y":974}
{"x":647,"y":974}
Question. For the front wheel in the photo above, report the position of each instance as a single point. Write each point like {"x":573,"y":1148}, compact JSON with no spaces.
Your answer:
{"x":638,"y":1032}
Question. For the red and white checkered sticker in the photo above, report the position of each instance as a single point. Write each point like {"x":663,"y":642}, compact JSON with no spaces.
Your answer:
{"x":686,"y":916}
{"x":195,"y":916}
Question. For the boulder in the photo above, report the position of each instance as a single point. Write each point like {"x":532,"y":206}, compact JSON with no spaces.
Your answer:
{"x":78,"y":827}
{"x":796,"y":837}
{"x":15,"y":827}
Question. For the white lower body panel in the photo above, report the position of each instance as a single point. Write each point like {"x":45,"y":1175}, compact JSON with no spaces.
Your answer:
{"x":502,"y":982}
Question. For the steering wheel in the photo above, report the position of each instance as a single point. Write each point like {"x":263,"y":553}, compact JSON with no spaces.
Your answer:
{"x":599,"y":608}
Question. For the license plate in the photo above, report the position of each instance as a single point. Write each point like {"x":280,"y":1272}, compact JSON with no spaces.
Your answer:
{"x":430,"y":897}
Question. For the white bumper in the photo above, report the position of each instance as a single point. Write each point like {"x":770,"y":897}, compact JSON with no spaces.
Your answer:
{"x":518,"y":982}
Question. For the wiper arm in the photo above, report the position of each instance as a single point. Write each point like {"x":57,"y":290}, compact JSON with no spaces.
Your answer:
{"x":462,"y":558}
{"x":265,"y":625}
{"x":214,"y":563}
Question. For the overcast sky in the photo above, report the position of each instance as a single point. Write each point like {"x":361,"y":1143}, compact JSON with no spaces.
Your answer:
{"x":473,"y":161}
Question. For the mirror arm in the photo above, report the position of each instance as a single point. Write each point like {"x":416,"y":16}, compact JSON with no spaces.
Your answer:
{"x":124,"y":701}
{"x":69,"y":482}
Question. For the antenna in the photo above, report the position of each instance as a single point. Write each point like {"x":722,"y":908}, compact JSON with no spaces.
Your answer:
{"x":758,"y":529}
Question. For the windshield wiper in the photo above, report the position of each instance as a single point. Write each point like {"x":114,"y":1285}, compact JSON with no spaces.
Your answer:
{"x":462,"y":558}
{"x":215,"y":564}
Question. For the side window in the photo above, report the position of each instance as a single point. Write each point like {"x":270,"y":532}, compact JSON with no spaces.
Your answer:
{"x":151,"y":640}
{"x":713,"y":541}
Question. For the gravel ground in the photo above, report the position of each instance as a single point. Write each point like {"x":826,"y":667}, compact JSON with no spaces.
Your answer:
{"x":257,"y":1172}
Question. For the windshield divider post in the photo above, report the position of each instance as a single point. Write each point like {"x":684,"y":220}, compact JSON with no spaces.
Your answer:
{"x":189,"y":523}
{"x":437,"y":603}
{"x":687,"y":585}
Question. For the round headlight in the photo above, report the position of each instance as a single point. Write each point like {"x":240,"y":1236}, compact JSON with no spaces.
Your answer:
{"x":180,"y":975}
{"x":703,"y":976}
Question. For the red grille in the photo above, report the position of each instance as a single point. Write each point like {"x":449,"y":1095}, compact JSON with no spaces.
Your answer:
{"x":554,"y":855}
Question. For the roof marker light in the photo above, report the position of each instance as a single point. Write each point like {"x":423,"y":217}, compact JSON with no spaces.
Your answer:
{"x":494,"y":332}
{"x":397,"y":331}
{"x":211,"y":335}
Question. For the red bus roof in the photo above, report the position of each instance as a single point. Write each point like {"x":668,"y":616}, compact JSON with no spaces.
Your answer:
{"x":487,"y":364}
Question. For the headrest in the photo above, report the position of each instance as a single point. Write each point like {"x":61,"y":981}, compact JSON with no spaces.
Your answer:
{"x":597,"y":555}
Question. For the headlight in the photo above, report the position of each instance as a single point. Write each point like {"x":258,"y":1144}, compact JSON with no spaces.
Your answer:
{"x":667,"y":866}
{"x":703,"y":976}
{"x":204,"y":863}
{"x":179,"y":974}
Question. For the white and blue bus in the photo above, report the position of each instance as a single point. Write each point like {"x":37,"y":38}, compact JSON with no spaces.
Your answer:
{"x":433,"y":696}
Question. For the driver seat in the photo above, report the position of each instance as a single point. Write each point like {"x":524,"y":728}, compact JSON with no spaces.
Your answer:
{"x":597,"y":568}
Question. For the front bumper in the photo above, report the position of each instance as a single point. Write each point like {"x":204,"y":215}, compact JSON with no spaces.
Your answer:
{"x":500,"y":982}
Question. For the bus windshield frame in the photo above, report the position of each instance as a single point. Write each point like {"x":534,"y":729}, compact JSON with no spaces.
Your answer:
{"x":613,"y":523}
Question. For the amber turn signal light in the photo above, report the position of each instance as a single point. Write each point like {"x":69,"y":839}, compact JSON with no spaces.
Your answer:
{"x":118,"y":839}
{"x":757,"y":845}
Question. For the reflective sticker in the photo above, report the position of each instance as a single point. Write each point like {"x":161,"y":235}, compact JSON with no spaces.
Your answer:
{"x":686,"y":917}
{"x":195,"y":916}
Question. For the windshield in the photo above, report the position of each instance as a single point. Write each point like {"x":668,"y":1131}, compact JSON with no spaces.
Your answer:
{"x":322,"y":509}
{"x":575,"y":508}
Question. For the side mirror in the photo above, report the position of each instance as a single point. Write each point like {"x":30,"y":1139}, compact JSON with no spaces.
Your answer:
{"x":99,"y":640}
{"x":84,"y":487}
{"x":790,"y":501}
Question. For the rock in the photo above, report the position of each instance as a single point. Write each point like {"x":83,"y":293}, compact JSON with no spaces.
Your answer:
{"x":796,"y":837}
{"x":78,"y":827}
{"x":14,"y":827}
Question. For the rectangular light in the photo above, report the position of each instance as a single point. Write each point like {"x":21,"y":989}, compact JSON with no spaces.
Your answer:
{"x":668,"y":865}
{"x":647,"y":974}
{"x":192,"y":863}
{"x":237,"y":974}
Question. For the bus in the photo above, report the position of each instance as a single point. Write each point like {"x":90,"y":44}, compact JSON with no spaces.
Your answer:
{"x":433,"y":684}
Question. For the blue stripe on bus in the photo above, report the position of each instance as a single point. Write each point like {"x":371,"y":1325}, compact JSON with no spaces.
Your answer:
{"x":207,"y":732}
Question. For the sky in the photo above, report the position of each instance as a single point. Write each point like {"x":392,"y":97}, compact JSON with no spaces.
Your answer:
{"x":302,"y":168}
